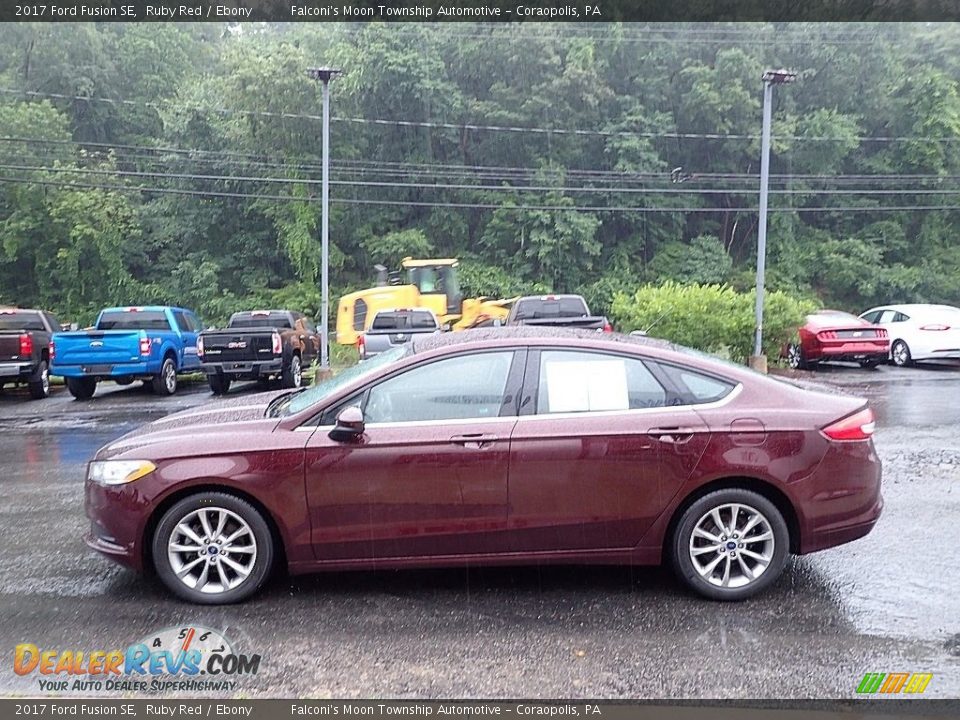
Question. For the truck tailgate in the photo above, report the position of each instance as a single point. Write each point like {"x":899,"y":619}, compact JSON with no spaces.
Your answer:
{"x":10,"y":345}
{"x":237,"y":346}
{"x":97,"y":347}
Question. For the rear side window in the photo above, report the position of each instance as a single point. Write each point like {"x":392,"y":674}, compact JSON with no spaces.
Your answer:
{"x":359,"y":314}
{"x":593,"y":382}
{"x":696,"y":387}
{"x":539,"y":308}
{"x":281,"y":321}
{"x":403,"y":321}
{"x":14,"y":320}
{"x":133,"y":320}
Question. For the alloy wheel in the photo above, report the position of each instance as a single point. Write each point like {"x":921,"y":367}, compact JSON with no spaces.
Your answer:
{"x":732,"y":545}
{"x":900,"y":353}
{"x":212,"y":550}
{"x":170,"y":378}
{"x":794,"y":357}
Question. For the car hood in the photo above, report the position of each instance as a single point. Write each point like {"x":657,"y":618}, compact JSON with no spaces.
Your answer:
{"x":189,"y":431}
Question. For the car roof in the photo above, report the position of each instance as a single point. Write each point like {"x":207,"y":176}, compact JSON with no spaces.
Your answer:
{"x":529,"y":335}
{"x":914,"y":307}
{"x":144,"y":308}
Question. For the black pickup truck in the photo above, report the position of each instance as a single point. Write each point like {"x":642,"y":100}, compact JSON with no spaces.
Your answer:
{"x":259,"y":345}
{"x":25,"y":349}
{"x":569,"y":311}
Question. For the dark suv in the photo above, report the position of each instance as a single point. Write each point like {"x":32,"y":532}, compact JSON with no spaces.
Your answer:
{"x":25,"y":349}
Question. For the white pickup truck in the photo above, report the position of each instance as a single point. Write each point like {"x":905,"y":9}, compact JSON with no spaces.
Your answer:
{"x":396,"y":327}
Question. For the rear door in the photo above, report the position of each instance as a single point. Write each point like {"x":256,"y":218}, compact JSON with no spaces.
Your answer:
{"x":597,"y":452}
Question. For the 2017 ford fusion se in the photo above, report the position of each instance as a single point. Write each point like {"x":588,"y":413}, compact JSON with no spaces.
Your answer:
{"x":501,"y":446}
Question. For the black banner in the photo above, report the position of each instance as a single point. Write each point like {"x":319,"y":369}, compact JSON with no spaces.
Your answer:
{"x":480,"y":11}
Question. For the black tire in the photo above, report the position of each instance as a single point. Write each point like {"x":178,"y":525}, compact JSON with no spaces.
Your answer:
{"x":82,"y":388}
{"x":680,"y":544}
{"x":795,"y":357}
{"x":293,"y":373}
{"x":869,"y":364}
{"x":263,"y":557}
{"x":219,"y":383}
{"x":123,"y":380}
{"x":900,"y":354}
{"x":40,"y":386}
{"x":165,"y":382}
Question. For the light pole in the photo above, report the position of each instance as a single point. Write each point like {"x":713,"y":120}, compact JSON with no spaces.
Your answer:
{"x":758,"y":360}
{"x":325,"y":75}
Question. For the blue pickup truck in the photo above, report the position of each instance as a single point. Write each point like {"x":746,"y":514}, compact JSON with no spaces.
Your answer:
{"x":151,"y":343}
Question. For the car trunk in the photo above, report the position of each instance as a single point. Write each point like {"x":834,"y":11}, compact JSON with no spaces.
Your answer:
{"x":105,"y":347}
{"x":238,"y":346}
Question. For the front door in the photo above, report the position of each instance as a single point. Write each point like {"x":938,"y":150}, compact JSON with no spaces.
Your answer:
{"x":597,"y":454}
{"x":429,"y":475}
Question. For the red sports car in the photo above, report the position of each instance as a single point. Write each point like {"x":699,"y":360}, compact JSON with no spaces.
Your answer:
{"x":835,"y":335}
{"x":506,"y":446}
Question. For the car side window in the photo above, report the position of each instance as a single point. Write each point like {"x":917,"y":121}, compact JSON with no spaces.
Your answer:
{"x":181,"y":320}
{"x":457,"y":388}
{"x":900,"y":317}
{"x":872,"y":317}
{"x":573,"y":381}
{"x":695,"y":387}
{"x":193,"y":322}
{"x":887,"y":316}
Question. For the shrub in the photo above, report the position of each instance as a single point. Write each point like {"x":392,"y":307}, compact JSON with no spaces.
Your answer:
{"x":713,"y":318}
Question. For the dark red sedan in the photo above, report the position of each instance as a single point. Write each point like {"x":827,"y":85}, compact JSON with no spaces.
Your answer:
{"x":506,"y":446}
{"x":831,"y":335}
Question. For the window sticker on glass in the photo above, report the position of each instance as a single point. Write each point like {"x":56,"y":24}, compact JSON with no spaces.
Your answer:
{"x":587,"y":386}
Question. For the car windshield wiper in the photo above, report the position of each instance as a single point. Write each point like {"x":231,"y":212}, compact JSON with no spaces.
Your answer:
{"x":277,"y":405}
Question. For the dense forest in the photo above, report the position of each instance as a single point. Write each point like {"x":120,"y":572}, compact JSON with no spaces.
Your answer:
{"x":181,"y":162}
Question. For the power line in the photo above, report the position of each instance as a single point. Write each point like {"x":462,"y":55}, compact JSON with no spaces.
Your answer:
{"x":479,"y":206}
{"x":475,"y":126}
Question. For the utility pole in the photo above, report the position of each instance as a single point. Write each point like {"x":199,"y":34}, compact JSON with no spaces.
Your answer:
{"x":758,"y":361}
{"x":325,"y":75}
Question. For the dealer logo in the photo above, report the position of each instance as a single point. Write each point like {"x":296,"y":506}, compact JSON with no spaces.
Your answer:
{"x":187,"y":658}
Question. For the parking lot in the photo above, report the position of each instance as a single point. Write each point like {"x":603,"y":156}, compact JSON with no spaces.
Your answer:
{"x":887,"y":603}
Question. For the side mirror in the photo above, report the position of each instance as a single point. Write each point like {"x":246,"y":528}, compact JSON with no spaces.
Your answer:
{"x":349,"y":425}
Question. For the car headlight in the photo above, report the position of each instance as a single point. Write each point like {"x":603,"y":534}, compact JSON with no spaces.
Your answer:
{"x":119,"y":472}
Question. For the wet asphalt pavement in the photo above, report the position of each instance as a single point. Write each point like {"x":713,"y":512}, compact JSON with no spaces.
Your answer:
{"x":887,"y":603}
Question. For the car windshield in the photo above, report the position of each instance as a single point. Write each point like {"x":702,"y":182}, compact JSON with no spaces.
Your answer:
{"x":295,"y":403}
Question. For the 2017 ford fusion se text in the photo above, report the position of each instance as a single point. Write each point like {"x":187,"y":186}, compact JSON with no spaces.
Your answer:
{"x":501,"y":446}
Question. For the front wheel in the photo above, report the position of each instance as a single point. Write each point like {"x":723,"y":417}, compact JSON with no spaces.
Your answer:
{"x":40,"y":387}
{"x":165,"y":383}
{"x":900,"y":354}
{"x":213,"y":548}
{"x":730,"y":544}
{"x":82,"y":388}
{"x":293,"y":374}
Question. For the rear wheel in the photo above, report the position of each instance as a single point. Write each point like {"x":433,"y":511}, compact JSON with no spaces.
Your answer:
{"x":165,"y":383}
{"x":82,"y":388}
{"x":293,"y":374}
{"x":795,"y":357}
{"x":213,"y":548}
{"x":900,"y":354}
{"x":730,"y":544}
{"x":40,"y":386}
{"x":219,"y":383}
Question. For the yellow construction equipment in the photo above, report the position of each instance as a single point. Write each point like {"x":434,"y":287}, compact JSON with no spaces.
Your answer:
{"x":430,"y":284}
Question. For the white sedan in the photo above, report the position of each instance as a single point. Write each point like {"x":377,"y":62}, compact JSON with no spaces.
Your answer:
{"x":919,"y":332}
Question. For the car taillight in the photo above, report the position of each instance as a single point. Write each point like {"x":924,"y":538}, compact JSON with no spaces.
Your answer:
{"x":52,"y":350}
{"x":859,"y":426}
{"x":827,"y":335}
{"x":935,"y":326}
{"x":361,"y":347}
{"x":26,"y":345}
{"x":277,"y":344}
{"x":882,"y":333}
{"x":144,"y":346}
{"x":200,"y":346}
